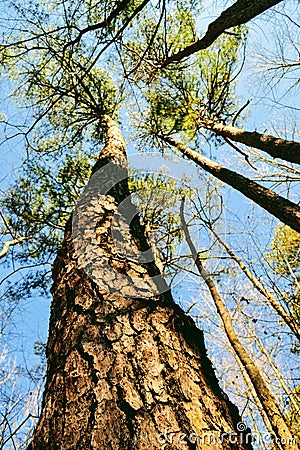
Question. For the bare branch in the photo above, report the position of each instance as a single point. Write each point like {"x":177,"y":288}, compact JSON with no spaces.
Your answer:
{"x":288,"y":318}
{"x":97,"y":26}
{"x":8,"y":244}
{"x":264,"y":394}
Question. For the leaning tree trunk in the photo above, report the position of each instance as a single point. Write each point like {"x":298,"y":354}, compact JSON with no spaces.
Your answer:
{"x":127,"y":369}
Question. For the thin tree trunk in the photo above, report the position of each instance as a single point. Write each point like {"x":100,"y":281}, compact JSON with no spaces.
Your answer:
{"x":286,"y":388}
{"x":285,"y":210}
{"x":281,"y":431}
{"x":256,"y":401}
{"x":274,"y":146}
{"x":272,"y":301}
{"x":240,"y":12}
{"x":126,"y":369}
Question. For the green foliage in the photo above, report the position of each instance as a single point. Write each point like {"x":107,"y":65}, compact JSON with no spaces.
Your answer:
{"x":158,"y":198}
{"x":42,"y":200}
{"x":55,"y":80}
{"x":178,"y":99}
{"x":155,"y":37}
{"x":284,"y":258}
{"x":285,"y":254}
{"x":65,"y":107}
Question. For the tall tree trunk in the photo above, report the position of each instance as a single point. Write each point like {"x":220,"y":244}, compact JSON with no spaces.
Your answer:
{"x":281,"y":431}
{"x":126,"y":369}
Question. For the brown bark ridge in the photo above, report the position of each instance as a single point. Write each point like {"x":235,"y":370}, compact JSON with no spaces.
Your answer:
{"x":239,"y":13}
{"x":285,"y":210}
{"x":125,"y":370}
{"x":274,"y":146}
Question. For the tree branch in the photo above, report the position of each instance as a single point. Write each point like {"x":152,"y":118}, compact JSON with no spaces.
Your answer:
{"x":274,"y":146}
{"x":240,"y":12}
{"x":285,"y":210}
{"x":8,"y":244}
{"x":103,"y":24}
{"x":287,"y":318}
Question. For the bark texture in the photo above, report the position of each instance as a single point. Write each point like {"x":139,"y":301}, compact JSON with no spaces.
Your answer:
{"x":124,"y":366}
{"x":240,"y":12}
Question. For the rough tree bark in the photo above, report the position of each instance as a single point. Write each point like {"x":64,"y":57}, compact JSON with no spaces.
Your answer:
{"x":123,"y":365}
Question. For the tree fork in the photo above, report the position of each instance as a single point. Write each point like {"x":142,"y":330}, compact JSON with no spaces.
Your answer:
{"x":125,"y":371}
